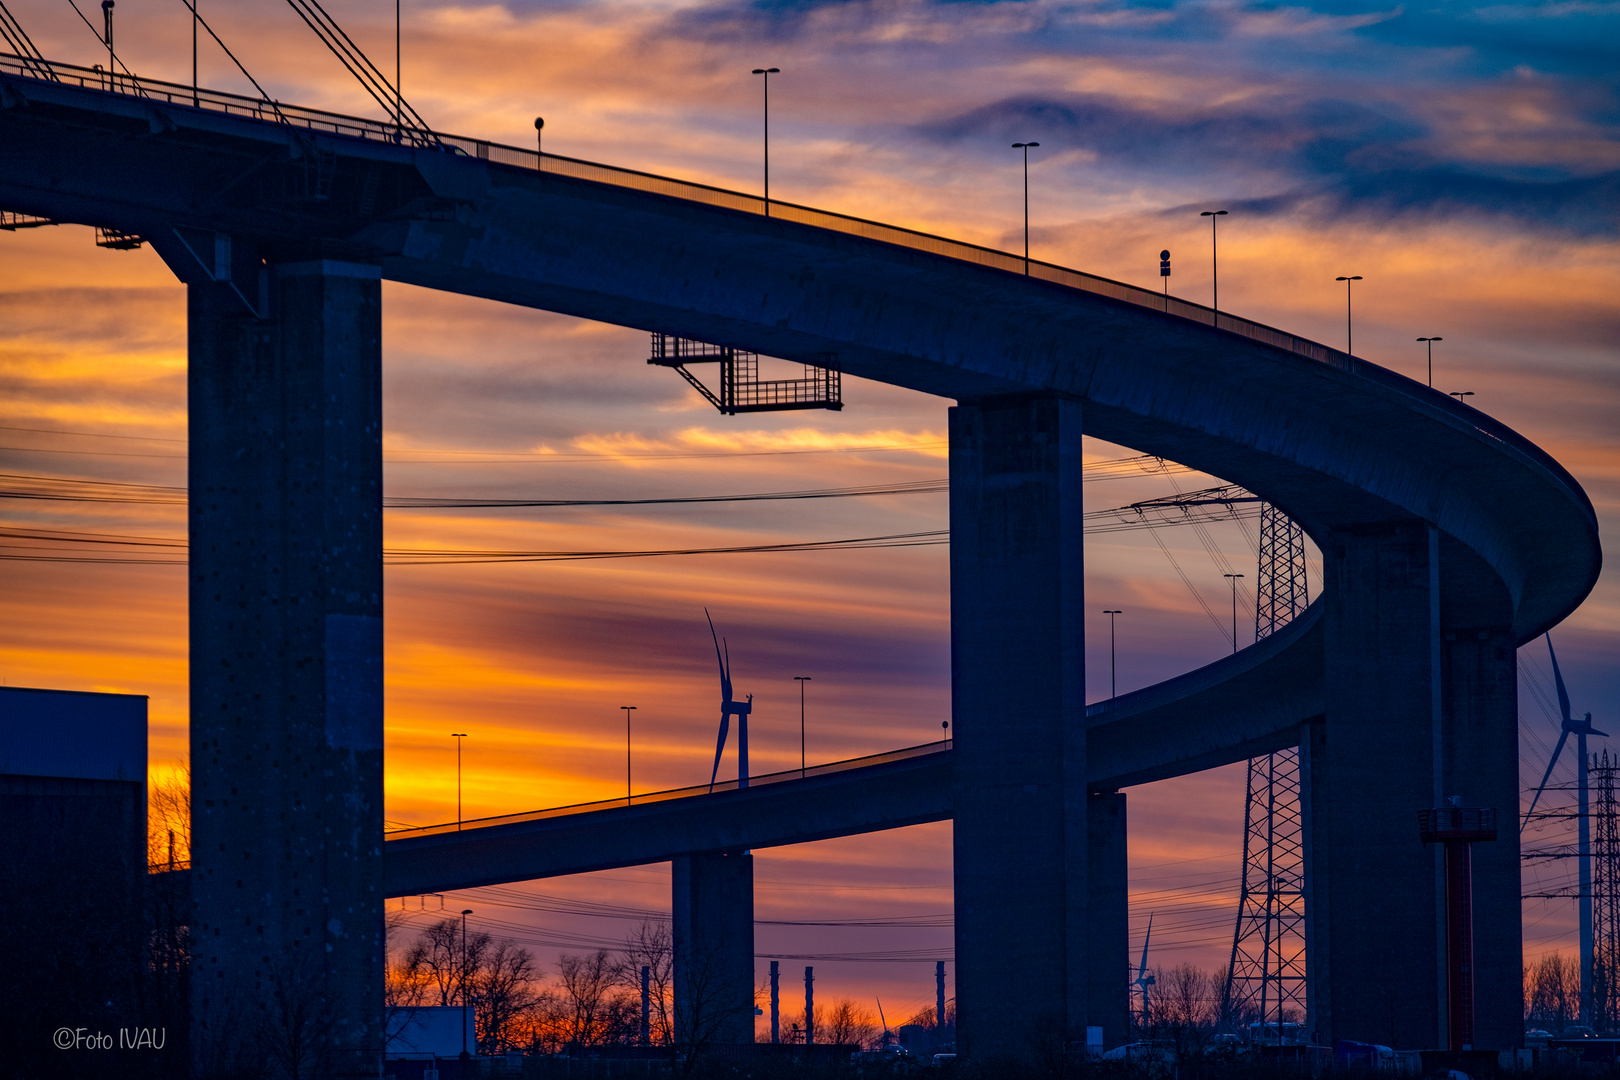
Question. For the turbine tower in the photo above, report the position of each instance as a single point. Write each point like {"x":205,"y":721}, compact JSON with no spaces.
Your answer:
{"x":728,"y":708}
{"x":1580,"y":729}
{"x":1266,"y":974}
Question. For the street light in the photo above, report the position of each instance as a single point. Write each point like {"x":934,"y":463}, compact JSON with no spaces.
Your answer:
{"x":1460,"y":394}
{"x":464,"y":913}
{"x":1349,"y":341}
{"x":944,"y":731}
{"x":1430,"y":342}
{"x":458,"y":736}
{"x":1113,"y":682}
{"x":107,"y":33}
{"x":1233,"y":578}
{"x":1214,"y":262}
{"x":1025,"y":147}
{"x":801,"y":680}
{"x":767,"y":72}
{"x":540,"y":139}
{"x":628,"y":709}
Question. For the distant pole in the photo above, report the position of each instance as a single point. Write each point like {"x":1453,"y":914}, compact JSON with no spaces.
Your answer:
{"x":1430,"y":342}
{"x":1214,"y":263}
{"x":767,"y":72}
{"x":1025,"y":147}
{"x":801,"y":680}
{"x":646,"y":1005}
{"x":196,"y":99}
{"x":945,"y":731}
{"x":399,"y":76}
{"x":1349,"y":340}
{"x":1164,"y":272}
{"x":776,"y":1002}
{"x":540,"y":141}
{"x":458,"y":736}
{"x":628,"y":709}
{"x":1113,"y":671}
{"x":464,"y":913}
{"x":809,"y":1006}
{"x":1233,"y":578}
{"x":939,"y":1000}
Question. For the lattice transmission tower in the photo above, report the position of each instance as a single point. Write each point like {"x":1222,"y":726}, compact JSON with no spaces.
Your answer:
{"x":1605,"y":895}
{"x":1265,"y":980}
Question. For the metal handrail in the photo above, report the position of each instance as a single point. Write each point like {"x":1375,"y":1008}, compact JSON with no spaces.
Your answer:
{"x":826,"y":769}
{"x":178,"y":95}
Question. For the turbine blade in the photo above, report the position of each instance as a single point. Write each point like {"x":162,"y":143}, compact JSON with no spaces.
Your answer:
{"x":721,"y":663}
{"x":720,"y":745}
{"x":1142,"y":971}
{"x":1558,"y":679}
{"x":1563,"y":737}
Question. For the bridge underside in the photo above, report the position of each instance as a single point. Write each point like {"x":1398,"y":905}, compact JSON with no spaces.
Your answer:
{"x":1447,"y":541}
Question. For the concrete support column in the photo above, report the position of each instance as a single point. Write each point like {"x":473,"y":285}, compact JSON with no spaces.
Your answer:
{"x":713,"y":913}
{"x":1018,"y":703}
{"x":1376,"y":948}
{"x":286,"y":673}
{"x":1109,"y":1003}
{"x":1479,"y":701}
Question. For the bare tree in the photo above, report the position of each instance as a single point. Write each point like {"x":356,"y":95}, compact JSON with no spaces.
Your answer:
{"x":508,"y":996}
{"x":1553,"y":992}
{"x":296,"y":1027}
{"x":650,"y":946}
{"x":847,"y":1024}
{"x":168,"y":820}
{"x":1185,"y":1007}
{"x":593,"y":1005}
{"x":446,"y":957}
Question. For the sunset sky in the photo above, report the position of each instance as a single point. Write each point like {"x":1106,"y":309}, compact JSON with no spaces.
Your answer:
{"x":1462,"y":157}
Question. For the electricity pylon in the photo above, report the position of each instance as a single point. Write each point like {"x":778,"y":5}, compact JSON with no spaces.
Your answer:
{"x":1265,"y":979}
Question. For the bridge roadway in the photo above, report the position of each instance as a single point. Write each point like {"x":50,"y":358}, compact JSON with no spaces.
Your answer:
{"x":1225,"y":712}
{"x":1447,"y":538}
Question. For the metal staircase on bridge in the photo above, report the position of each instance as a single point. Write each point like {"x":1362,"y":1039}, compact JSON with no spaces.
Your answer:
{"x":741,"y":388}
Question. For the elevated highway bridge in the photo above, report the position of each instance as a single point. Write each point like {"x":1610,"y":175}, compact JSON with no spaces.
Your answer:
{"x":1447,"y":539}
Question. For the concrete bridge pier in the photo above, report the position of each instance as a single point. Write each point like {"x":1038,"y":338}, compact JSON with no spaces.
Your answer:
{"x":713,"y":916}
{"x":286,"y":669}
{"x":1109,"y":1001}
{"x":1023,"y":943}
{"x":1416,"y":711}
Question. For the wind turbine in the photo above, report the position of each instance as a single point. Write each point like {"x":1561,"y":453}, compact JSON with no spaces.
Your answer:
{"x":728,"y":707}
{"x":1143,"y":979}
{"x":1581,"y":729}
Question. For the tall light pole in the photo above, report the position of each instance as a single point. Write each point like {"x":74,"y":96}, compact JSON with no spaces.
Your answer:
{"x":1349,"y":341}
{"x":1025,"y":147}
{"x":1214,"y":262}
{"x":399,"y":78}
{"x":1113,"y":681}
{"x":1233,"y":578}
{"x":464,"y":913}
{"x":107,"y":32}
{"x":195,"y":97}
{"x":801,"y":680}
{"x":628,"y":709}
{"x":458,"y":736}
{"x":1430,"y":342}
{"x":767,"y":72}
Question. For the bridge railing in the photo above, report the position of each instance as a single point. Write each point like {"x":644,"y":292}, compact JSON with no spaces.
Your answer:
{"x":639,"y":799}
{"x":382,"y":131}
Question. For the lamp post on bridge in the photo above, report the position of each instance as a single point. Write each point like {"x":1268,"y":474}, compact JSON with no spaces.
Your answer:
{"x":1429,"y":341}
{"x":767,"y":72}
{"x":801,"y":680}
{"x":1349,"y":340}
{"x":1214,"y":263}
{"x":1113,"y":680}
{"x":628,"y":709}
{"x":1025,"y":147}
{"x":1233,"y":578}
{"x":458,"y":736}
